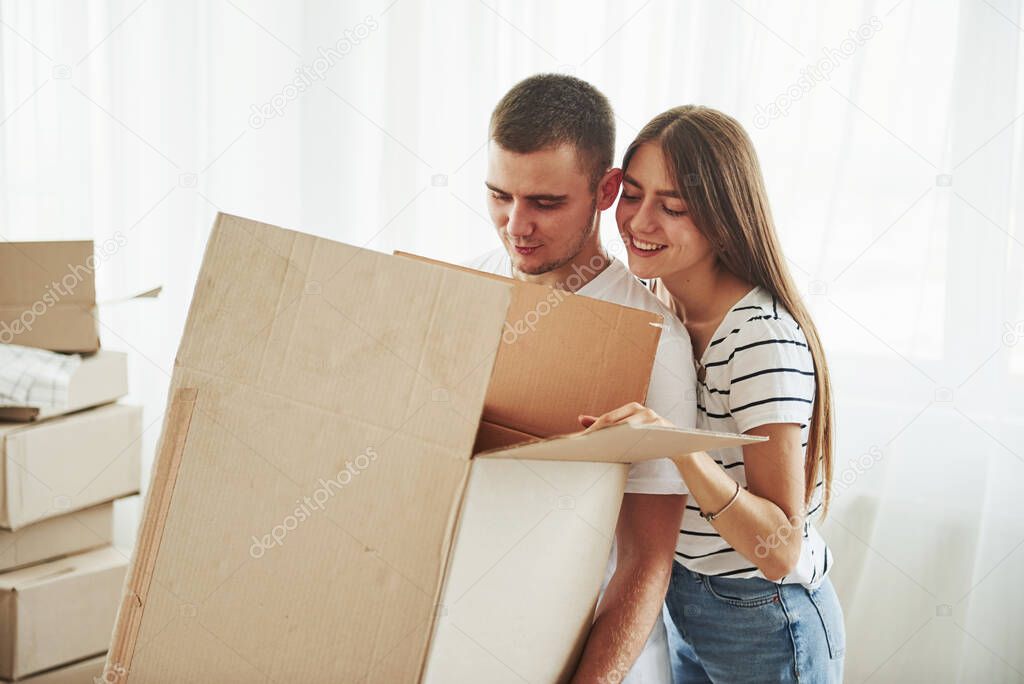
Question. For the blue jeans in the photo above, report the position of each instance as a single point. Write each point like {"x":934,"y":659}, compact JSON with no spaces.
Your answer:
{"x":732,"y":630}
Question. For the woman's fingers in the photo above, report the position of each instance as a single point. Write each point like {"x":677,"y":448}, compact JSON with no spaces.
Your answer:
{"x":632,"y":413}
{"x":613,"y":417}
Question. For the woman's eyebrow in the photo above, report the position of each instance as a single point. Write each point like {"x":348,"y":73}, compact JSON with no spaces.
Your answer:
{"x":660,"y":193}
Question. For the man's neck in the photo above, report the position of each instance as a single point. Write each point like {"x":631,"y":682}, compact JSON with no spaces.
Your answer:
{"x":588,"y":263}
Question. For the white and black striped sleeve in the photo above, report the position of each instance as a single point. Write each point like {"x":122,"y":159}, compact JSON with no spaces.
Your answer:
{"x":771,"y":374}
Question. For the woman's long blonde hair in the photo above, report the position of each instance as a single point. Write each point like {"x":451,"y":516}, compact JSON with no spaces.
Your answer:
{"x":715,"y":169}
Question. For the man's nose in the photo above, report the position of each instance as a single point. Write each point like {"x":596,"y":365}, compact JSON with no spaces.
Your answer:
{"x":519,"y":223}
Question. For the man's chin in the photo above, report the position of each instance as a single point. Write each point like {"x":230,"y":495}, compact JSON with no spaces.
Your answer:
{"x":532,"y":264}
{"x":532,"y":269}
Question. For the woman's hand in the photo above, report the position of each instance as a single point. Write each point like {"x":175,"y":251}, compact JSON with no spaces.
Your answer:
{"x":632,"y":413}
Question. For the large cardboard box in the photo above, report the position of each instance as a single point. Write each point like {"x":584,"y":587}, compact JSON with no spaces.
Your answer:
{"x":318,"y":512}
{"x":52,"y":538}
{"x":48,"y":295}
{"x":100,"y":378}
{"x":58,"y":612}
{"x":88,"y":671}
{"x":68,"y":463}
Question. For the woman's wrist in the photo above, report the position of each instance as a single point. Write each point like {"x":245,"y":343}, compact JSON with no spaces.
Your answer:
{"x":687,"y":462}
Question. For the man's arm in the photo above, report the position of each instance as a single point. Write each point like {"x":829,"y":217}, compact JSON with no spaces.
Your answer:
{"x":645,"y":535}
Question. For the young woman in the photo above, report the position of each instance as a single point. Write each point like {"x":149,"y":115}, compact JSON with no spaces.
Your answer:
{"x":750,"y":593}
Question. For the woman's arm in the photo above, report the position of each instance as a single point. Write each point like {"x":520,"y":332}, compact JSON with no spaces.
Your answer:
{"x":765,"y":523}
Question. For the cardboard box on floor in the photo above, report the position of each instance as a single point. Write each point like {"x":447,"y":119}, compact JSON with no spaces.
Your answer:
{"x":58,"y":612}
{"x":68,"y":463}
{"x":48,"y":295}
{"x":100,"y":378}
{"x":56,"y":537}
{"x":317,"y":504}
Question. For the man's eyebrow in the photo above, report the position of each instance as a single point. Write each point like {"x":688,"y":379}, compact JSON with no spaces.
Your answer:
{"x":539,"y":196}
{"x":660,"y":193}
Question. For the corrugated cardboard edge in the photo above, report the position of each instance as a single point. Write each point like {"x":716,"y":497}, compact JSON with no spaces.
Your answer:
{"x":158,"y":502}
{"x":451,"y":534}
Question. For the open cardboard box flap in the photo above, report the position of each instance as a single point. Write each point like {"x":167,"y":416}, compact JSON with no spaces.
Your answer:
{"x":623,"y":443}
{"x":309,"y":366}
{"x":537,"y":389}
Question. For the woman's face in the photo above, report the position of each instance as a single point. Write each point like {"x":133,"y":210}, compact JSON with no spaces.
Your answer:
{"x":653,"y":219}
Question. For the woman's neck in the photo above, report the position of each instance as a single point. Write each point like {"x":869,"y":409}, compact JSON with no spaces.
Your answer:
{"x":704,"y":293}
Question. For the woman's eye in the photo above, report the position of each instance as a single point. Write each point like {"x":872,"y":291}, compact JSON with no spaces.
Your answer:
{"x":674,"y":214}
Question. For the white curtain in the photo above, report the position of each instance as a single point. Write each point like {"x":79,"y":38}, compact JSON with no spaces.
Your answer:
{"x":891,"y":136}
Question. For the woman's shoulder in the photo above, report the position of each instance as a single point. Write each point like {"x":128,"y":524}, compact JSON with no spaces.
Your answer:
{"x":758,"y":333}
{"x":761,"y":317}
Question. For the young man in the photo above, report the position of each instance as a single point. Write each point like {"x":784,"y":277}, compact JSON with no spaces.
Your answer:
{"x":549,"y":177}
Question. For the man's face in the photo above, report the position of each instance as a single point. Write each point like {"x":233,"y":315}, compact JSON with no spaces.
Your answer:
{"x":542,"y":205}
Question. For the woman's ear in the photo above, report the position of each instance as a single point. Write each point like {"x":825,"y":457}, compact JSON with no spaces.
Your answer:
{"x":608,"y":188}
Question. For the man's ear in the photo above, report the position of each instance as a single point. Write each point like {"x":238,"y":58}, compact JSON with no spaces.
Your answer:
{"x":608,"y":188}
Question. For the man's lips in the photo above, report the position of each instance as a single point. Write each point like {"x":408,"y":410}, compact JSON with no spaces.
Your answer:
{"x":524,"y":250}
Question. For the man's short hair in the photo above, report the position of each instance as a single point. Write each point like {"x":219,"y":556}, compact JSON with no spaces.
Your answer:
{"x":550,"y":110}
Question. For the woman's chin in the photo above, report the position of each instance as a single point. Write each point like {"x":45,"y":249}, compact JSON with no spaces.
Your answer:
{"x":642,"y":267}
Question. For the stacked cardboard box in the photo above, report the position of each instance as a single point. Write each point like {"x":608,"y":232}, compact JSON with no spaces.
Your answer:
{"x":61,"y":468}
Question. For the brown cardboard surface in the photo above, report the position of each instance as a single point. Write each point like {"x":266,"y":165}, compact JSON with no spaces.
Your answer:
{"x":100,"y":378}
{"x":305,"y":362}
{"x":88,"y":671}
{"x":48,"y":295}
{"x":304,"y":354}
{"x":52,"y":538}
{"x":68,"y":463}
{"x":58,"y":612}
{"x":492,"y":436}
{"x":538,"y":389}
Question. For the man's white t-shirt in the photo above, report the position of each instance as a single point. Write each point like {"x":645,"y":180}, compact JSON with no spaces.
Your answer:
{"x":671,"y":393}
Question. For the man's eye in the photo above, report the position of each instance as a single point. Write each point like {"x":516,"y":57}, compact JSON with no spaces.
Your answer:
{"x":548,"y":205}
{"x":630,"y":198}
{"x":498,"y":197}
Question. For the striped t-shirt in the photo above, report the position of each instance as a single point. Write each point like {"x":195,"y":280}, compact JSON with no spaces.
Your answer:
{"x":756,"y":370}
